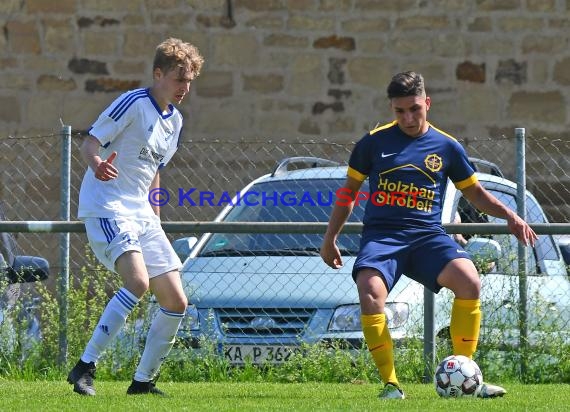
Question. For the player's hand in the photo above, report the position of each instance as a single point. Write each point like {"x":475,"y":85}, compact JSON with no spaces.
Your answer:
{"x":105,"y":170}
{"x":521,"y":230}
{"x":331,"y":254}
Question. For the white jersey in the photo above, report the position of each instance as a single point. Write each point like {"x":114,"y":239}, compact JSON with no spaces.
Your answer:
{"x":145,"y":139}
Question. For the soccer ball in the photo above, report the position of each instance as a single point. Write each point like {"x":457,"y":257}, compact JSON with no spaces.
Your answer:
{"x":458,"y":376}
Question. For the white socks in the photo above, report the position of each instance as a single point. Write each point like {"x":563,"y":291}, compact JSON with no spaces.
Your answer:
{"x":112,"y":320}
{"x":159,"y":341}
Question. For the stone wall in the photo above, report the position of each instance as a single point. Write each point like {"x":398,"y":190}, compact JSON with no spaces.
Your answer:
{"x":301,"y":70}
{"x":292,"y":68}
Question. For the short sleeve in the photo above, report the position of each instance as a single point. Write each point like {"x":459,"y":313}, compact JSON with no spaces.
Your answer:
{"x":360,"y":162}
{"x":112,"y":121}
{"x":461,"y":171}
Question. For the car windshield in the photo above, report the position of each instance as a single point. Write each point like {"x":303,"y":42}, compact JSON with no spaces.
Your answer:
{"x":299,"y":200}
{"x":544,"y":249}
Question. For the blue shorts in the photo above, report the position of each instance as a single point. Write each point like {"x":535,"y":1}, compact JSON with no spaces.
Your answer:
{"x":419,"y":254}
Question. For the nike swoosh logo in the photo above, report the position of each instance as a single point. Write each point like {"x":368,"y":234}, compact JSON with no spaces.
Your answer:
{"x":388,"y":154}
{"x":460,"y":251}
{"x":376,"y":347}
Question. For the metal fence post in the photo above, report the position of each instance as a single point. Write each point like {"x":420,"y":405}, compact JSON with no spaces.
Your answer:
{"x":64,"y":241}
{"x":522,"y":251}
{"x":429,"y":335}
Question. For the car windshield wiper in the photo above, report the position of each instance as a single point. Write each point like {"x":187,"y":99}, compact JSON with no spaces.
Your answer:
{"x":299,"y":251}
{"x":290,"y":251}
{"x":226,"y":252}
{"x":302,"y":251}
{"x":305,"y":251}
{"x":316,"y":251}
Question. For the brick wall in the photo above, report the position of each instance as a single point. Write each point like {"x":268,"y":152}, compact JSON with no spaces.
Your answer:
{"x":292,"y":68}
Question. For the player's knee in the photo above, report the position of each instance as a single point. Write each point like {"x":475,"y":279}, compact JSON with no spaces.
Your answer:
{"x":372,"y":291}
{"x":174,"y":302}
{"x":469,"y":287}
{"x":473,"y":287}
{"x":461,"y":277}
{"x":137,"y":286}
{"x":176,"y":305}
{"x":181,"y":304}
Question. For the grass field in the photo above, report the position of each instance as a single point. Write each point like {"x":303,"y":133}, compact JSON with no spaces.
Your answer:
{"x":218,"y":397}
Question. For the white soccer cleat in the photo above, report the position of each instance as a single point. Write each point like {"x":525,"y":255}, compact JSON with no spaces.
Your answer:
{"x":491,"y":391}
{"x":391,"y":391}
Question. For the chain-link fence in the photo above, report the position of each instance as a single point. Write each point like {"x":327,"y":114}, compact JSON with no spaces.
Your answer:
{"x":31,"y":179}
{"x":30,"y":190}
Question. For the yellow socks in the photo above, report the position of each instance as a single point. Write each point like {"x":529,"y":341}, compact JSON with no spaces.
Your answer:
{"x":464,"y":327}
{"x":380,"y":345}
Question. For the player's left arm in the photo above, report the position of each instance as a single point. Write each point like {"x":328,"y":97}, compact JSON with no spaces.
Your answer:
{"x":155,"y":184}
{"x":483,"y":200}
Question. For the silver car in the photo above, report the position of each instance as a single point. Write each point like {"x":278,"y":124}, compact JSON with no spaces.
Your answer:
{"x":262,"y":297}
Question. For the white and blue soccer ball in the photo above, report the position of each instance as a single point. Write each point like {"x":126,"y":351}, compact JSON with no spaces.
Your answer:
{"x":458,"y":376}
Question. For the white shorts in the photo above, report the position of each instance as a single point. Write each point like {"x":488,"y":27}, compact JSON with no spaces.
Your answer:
{"x":110,"y":238}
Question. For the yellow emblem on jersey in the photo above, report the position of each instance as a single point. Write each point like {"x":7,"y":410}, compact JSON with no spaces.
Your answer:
{"x":433,"y":162}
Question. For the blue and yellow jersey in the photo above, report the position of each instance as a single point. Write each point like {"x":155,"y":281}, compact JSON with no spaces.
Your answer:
{"x":408,"y":175}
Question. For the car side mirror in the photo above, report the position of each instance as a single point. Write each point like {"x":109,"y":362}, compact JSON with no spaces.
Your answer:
{"x":484,"y":252}
{"x":27,"y":269}
{"x":184,"y":246}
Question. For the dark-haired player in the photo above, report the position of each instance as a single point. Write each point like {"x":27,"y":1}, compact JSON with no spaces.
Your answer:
{"x":408,"y":163}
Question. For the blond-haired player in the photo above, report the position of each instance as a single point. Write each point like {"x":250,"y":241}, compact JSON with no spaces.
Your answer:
{"x":127,"y":145}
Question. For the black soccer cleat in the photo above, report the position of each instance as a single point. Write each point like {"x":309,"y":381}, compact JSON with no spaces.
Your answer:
{"x":81,"y":377}
{"x":142,"y":388}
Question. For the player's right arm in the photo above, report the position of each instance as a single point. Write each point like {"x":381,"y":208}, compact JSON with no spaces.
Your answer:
{"x":340,"y":214}
{"x":103,"y":169}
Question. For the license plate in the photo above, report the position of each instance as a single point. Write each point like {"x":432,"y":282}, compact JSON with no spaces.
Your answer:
{"x":240,"y":354}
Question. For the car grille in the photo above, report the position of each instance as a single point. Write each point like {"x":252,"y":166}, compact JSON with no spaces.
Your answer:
{"x":280,"y":322}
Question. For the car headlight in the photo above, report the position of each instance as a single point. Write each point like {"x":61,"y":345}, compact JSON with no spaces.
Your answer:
{"x":347,"y":318}
{"x":396,"y":313}
{"x":191,"y":320}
